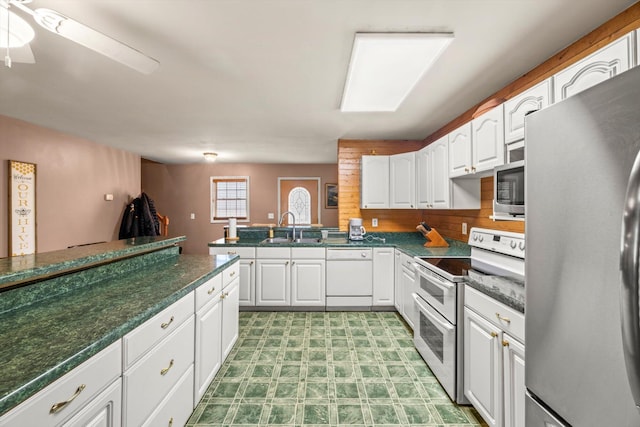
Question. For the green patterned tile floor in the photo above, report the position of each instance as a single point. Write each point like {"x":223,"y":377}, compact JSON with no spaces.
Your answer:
{"x":326,"y":369}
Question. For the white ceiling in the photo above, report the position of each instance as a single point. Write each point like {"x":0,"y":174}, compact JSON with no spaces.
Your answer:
{"x":261,"y":80}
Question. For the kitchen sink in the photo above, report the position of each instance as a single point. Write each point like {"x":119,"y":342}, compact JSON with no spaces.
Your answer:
{"x":275,"y":240}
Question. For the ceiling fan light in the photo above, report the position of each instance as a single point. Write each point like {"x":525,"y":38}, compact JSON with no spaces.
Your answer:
{"x":210,"y":157}
{"x":20,"y":32}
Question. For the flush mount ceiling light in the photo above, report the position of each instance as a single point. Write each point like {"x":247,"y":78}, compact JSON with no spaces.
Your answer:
{"x":210,"y":157}
{"x":385,"y":67}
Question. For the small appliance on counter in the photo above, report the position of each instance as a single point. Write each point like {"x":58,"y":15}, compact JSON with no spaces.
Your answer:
{"x":356,"y":229}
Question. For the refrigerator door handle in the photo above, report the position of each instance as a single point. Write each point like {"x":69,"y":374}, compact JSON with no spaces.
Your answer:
{"x":629,"y":296}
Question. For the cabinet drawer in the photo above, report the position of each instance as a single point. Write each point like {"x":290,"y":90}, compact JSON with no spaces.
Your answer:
{"x":84,"y":382}
{"x":176,"y":408}
{"x":149,"y":381}
{"x":506,"y":318}
{"x":242,"y":252}
{"x":273,"y":253}
{"x":230,"y":273}
{"x":307,"y":253}
{"x":140,"y":340}
{"x":208,"y":291}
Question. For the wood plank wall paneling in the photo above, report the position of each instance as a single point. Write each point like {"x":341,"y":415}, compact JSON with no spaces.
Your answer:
{"x":449,"y":222}
{"x":349,"y":154}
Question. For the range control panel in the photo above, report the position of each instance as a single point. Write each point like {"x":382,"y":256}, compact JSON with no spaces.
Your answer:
{"x":504,"y":242}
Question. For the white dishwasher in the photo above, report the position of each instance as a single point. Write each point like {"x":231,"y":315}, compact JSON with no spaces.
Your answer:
{"x":349,"y":278}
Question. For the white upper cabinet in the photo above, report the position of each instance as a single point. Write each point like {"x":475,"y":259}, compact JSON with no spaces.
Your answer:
{"x":460,"y":151}
{"x":374,"y":182}
{"x":434,"y":186}
{"x":487,"y":140}
{"x":441,"y":188}
{"x":402,"y":184}
{"x":607,"y":62}
{"x":515,"y":109}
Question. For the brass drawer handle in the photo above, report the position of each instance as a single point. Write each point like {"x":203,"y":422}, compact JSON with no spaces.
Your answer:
{"x":504,"y":319}
{"x":171,"y":422}
{"x":212,"y":290}
{"x":57,"y":407}
{"x":224,"y":295}
{"x":165,"y":370}
{"x":233,"y":273}
{"x":232,"y":253}
{"x":166,"y":324}
{"x":505,"y":343}
{"x":494,"y":334}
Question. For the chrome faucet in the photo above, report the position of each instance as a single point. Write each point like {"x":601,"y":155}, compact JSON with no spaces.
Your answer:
{"x":294,"y":222}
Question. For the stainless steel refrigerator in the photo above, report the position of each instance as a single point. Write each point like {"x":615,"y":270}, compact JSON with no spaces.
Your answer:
{"x":581,"y":161}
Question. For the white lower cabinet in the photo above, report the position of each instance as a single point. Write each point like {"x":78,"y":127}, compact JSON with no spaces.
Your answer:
{"x":208,"y":350}
{"x":397,"y":282}
{"x":149,"y":381}
{"x":408,"y":285}
{"x":80,"y":389}
{"x":103,"y":411}
{"x":230,"y":317}
{"x":383,"y":276}
{"x":308,"y":282}
{"x":494,"y":360}
{"x":176,"y":408}
{"x":290,"y":277}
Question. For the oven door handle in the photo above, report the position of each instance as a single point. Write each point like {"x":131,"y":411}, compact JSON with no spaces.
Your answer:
{"x":423,"y":309}
{"x":437,"y":282}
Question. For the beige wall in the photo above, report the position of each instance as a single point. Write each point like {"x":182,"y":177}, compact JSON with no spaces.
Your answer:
{"x":73,"y":175}
{"x":179,"y":190}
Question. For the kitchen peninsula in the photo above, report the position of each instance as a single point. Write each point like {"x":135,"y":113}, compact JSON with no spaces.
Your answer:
{"x":80,"y":325}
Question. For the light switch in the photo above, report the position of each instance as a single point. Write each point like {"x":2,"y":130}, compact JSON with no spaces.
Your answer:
{"x":108,"y":197}
{"x":374,"y":222}
{"x":193,"y":216}
{"x":464,"y":228}
{"x":270,"y":215}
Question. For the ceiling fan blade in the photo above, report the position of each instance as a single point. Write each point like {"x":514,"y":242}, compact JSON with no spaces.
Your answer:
{"x":94,"y":40}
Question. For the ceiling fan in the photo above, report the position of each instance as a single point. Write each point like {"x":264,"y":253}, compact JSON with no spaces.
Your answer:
{"x":16,"y":33}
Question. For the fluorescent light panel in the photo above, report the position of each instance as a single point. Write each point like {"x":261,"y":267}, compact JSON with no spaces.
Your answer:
{"x":385,"y":67}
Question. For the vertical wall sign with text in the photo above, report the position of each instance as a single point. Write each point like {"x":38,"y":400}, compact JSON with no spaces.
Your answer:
{"x":22,"y":208}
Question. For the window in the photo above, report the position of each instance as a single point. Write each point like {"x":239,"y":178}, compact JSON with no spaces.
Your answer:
{"x":300,"y":205}
{"x":229,"y":198}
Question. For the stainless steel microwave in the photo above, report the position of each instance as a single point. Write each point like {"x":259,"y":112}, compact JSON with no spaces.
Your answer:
{"x":508,"y":189}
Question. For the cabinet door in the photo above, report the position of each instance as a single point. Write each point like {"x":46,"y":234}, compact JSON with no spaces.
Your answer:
{"x":514,"y":386}
{"x":247,"y":282}
{"x":483,"y":367}
{"x":103,"y":411}
{"x":273,"y":282}
{"x":208,"y":356}
{"x":230,"y":316}
{"x":487,"y":139}
{"x":374,"y":182}
{"x":460,"y":151}
{"x":607,"y":62}
{"x":515,"y":109}
{"x":402,"y":184}
{"x":423,"y":178}
{"x":308,"y":282}
{"x":440,"y":175}
{"x":383,"y":276}
{"x":397,"y":283}
{"x":410,"y":312}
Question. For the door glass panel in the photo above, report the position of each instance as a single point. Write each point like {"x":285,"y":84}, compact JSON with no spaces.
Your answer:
{"x":432,"y":336}
{"x":435,"y":291}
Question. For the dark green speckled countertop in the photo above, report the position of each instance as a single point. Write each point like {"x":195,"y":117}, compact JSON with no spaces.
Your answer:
{"x":412,"y":243}
{"x":51,"y":327}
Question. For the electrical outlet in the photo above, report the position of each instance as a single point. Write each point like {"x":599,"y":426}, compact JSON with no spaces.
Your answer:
{"x":270,"y":215}
{"x":464,"y":228}
{"x":193,"y":216}
{"x":374,"y":222}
